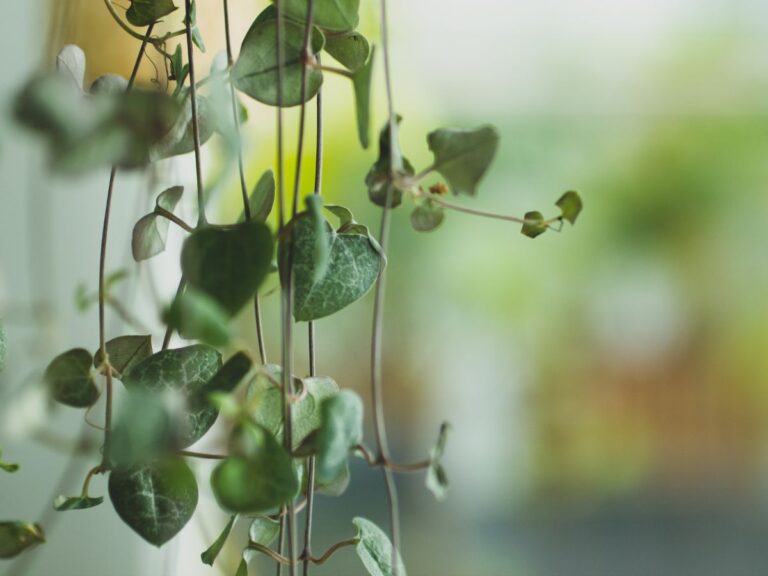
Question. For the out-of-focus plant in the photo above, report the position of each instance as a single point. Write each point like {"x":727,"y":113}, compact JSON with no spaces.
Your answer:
{"x":291,"y":437}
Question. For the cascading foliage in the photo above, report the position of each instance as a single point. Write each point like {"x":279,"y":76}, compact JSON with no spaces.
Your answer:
{"x":290,"y":436}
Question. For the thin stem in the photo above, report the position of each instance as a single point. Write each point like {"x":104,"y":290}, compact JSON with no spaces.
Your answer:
{"x":330,"y":552}
{"x":276,"y":556}
{"x":173,"y":218}
{"x":307,"y":554}
{"x":451,"y":206}
{"x":281,"y":540}
{"x":332,"y":69}
{"x":243,"y":185}
{"x":87,"y":482}
{"x":375,"y":462}
{"x":195,"y":124}
{"x":378,"y":311}
{"x":102,"y":270}
{"x":286,"y":301}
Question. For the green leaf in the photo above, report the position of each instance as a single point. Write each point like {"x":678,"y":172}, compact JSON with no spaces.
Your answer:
{"x":63,"y":503}
{"x":10,"y":468}
{"x":255,"y":71}
{"x":266,"y":400}
{"x":463,"y":156}
{"x":124,"y":353}
{"x":379,"y":178}
{"x":156,"y":501}
{"x":333,"y":15}
{"x":259,"y":478}
{"x":228,"y":264}
{"x":70,"y":379}
{"x":198,"y":317}
{"x":437,"y":480}
{"x":229,"y":375}
{"x":341,"y":430}
{"x":361,"y":80}
{"x":151,"y":232}
{"x":242,"y":569}
{"x":197,"y":37}
{"x":146,"y":12}
{"x":352,"y":269}
{"x":3,"y":346}
{"x":70,"y":62}
{"x":15,"y":537}
{"x":181,"y":138}
{"x":209,"y":556}
{"x":148,"y":425}
{"x":102,"y":129}
{"x":351,"y":50}
{"x":322,"y":250}
{"x":375,"y":550}
{"x":570,"y":206}
{"x":185,"y":370}
{"x":262,"y":198}
{"x":427,"y":216}
{"x":179,"y":70}
{"x":264,"y":530}
{"x":534,"y":225}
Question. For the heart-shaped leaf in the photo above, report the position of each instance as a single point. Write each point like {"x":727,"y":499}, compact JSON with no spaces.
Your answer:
{"x":375,"y":550}
{"x":351,"y":50}
{"x":209,"y":556}
{"x":570,"y":206}
{"x":259,"y":478}
{"x":535,"y":224}
{"x":266,"y":397}
{"x":352,"y":269}
{"x":361,"y":80}
{"x":63,"y":503}
{"x":151,"y":231}
{"x":15,"y":537}
{"x":70,"y":379}
{"x":146,"y":12}
{"x":124,"y":353}
{"x":255,"y":71}
{"x":463,"y":156}
{"x":341,"y":430}
{"x":228,"y":264}
{"x":187,"y":371}
{"x":333,"y":15}
{"x":427,"y":216}
{"x":437,"y":480}
{"x":156,"y":501}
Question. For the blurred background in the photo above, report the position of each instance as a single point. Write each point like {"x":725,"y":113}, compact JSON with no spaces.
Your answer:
{"x":607,"y":386}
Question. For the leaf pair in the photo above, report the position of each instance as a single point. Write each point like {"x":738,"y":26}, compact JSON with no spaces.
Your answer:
{"x":570,"y":205}
{"x":15,"y":537}
{"x":151,"y":231}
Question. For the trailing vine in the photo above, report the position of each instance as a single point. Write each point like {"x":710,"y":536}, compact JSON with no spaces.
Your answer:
{"x":291,"y":437}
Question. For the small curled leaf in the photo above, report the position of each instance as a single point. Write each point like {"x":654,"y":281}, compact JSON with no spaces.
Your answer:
{"x":151,"y":232}
{"x":124,"y":353}
{"x":15,"y":537}
{"x":427,"y":217}
{"x":264,"y":530}
{"x":351,"y":50}
{"x":361,"y":81}
{"x":437,"y":480}
{"x":10,"y":468}
{"x":570,"y":206}
{"x":535,"y":224}
{"x":63,"y":503}
{"x":70,"y":379}
{"x":71,"y":63}
{"x":262,"y":197}
{"x":146,"y":12}
{"x":197,"y":316}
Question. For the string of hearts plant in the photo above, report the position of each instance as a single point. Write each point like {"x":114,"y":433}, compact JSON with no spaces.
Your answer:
{"x":291,"y":437}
